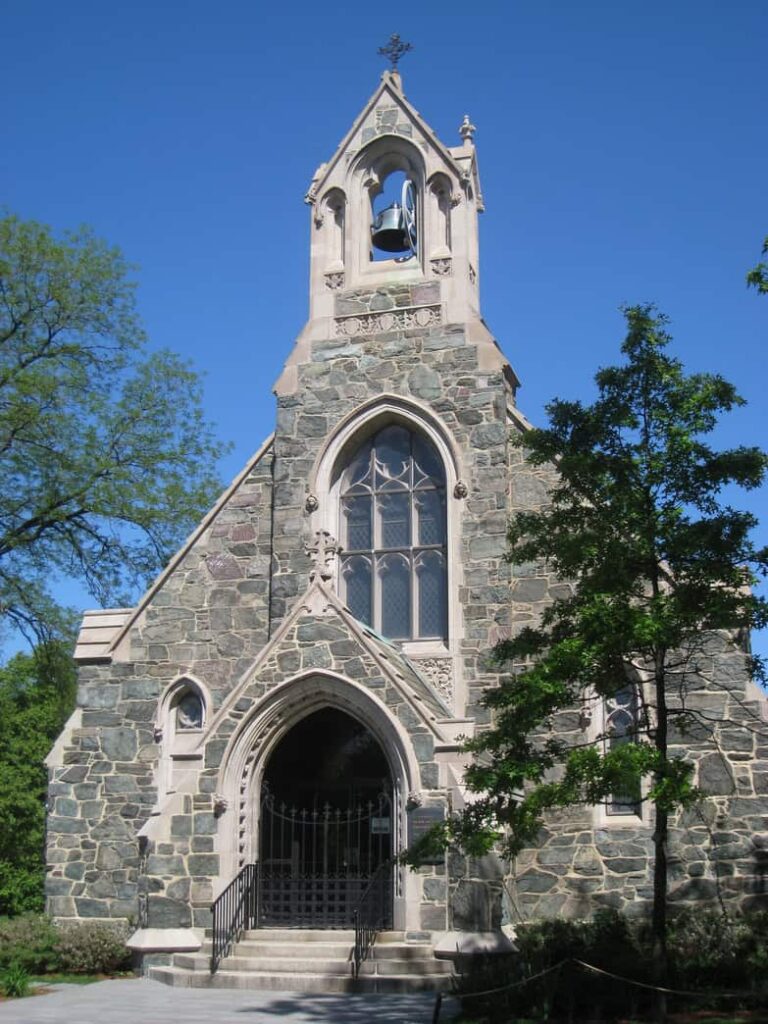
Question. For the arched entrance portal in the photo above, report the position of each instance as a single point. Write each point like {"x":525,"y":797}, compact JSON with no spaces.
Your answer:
{"x":325,"y":825}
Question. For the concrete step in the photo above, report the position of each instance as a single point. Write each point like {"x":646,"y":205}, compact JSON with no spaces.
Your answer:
{"x":300,"y":982}
{"x":390,"y":950}
{"x":312,"y":965}
{"x":325,"y":950}
{"x":302,"y":935}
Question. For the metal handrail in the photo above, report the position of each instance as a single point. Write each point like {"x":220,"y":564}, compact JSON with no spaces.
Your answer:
{"x":371,"y":914}
{"x":234,"y":911}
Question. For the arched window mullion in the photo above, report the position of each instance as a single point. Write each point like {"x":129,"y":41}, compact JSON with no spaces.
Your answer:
{"x":392,"y":495}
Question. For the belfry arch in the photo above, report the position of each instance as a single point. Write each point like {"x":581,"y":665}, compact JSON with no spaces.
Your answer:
{"x":265,"y":739}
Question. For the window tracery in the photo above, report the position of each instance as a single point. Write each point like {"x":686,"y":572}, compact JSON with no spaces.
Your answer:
{"x":393,"y":512}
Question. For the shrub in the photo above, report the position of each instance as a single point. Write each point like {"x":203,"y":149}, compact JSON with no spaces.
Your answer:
{"x":708,"y":949}
{"x":93,"y":947}
{"x":28,"y":942}
{"x":15,"y":981}
{"x":709,"y":953}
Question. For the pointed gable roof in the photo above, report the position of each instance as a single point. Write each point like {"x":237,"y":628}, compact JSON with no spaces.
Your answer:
{"x":321,"y":602}
{"x":374,"y":120}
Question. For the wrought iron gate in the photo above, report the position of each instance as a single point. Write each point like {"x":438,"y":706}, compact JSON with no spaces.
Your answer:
{"x":316,"y":865}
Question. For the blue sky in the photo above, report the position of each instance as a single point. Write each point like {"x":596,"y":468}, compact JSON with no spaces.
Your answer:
{"x":623,"y":154}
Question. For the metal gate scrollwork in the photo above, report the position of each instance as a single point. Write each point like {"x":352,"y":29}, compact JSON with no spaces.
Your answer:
{"x":315,"y":865}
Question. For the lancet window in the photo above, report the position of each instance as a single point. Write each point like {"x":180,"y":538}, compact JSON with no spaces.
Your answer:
{"x":393,"y":514}
{"x":621,"y":718}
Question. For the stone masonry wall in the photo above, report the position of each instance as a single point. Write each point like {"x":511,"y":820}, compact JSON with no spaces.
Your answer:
{"x":437,"y":365}
{"x":209,"y":619}
{"x":718,"y":849}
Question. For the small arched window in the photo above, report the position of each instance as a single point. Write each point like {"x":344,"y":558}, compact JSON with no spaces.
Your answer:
{"x":393,"y":515}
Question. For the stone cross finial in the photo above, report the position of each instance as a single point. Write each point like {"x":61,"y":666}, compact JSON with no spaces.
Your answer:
{"x":322,"y":551}
{"x":467,"y":129}
{"x":395,"y":50}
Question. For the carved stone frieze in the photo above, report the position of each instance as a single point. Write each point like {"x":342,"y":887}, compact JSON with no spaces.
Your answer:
{"x":334,"y":281}
{"x":439,"y":673}
{"x":389,"y":320}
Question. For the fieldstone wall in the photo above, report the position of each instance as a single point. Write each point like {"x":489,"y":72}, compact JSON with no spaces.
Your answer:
{"x":208,"y":619}
{"x":393,"y":339}
{"x":179,"y":870}
{"x":121,"y":844}
{"x":718,"y":849}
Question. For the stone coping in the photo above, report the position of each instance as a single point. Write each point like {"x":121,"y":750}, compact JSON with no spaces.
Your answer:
{"x":165,"y":940}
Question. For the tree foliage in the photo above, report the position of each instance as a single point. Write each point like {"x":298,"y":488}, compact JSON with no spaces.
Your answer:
{"x":106,"y":460}
{"x":37,"y":695}
{"x":757,"y":277}
{"x":656,"y":560}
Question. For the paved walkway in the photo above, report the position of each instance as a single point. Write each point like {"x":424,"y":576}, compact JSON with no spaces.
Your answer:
{"x":126,"y":1001}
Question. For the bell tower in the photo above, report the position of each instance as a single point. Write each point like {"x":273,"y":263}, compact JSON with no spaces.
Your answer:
{"x":395,"y":210}
{"x":429,"y":232}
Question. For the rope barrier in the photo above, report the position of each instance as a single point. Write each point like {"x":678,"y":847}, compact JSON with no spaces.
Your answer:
{"x":660,"y":988}
{"x":616,"y":977}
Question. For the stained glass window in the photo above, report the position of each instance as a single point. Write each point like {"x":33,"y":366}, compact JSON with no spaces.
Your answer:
{"x":621,"y":724}
{"x":393,"y":512}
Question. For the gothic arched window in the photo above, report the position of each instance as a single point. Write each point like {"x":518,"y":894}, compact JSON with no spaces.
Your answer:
{"x":622,"y":720}
{"x":393,"y":568}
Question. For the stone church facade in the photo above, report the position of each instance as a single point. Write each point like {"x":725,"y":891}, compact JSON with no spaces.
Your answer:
{"x":314,"y":655}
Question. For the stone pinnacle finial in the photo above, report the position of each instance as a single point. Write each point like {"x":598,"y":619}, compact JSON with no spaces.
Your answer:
{"x":467,"y":129}
{"x":395,"y":50}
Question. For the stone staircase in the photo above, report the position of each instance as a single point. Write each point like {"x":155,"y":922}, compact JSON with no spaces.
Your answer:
{"x":312,"y":961}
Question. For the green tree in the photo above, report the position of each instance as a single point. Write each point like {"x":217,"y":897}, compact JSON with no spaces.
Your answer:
{"x":757,"y":277}
{"x":656,"y":560}
{"x":37,"y":695}
{"x":106,"y":460}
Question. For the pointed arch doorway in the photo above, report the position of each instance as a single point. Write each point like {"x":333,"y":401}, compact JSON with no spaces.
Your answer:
{"x":326,"y":825}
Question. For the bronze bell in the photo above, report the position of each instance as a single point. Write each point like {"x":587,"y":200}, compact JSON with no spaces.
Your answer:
{"x":388,"y":232}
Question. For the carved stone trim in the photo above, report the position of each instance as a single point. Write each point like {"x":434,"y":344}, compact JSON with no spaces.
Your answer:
{"x":472,"y":274}
{"x":334,"y":281}
{"x":388,"y":320}
{"x":460,"y":489}
{"x":441,"y":267}
{"x":312,"y":503}
{"x":322,"y":551}
{"x":439,"y":673}
{"x":220,"y":804}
